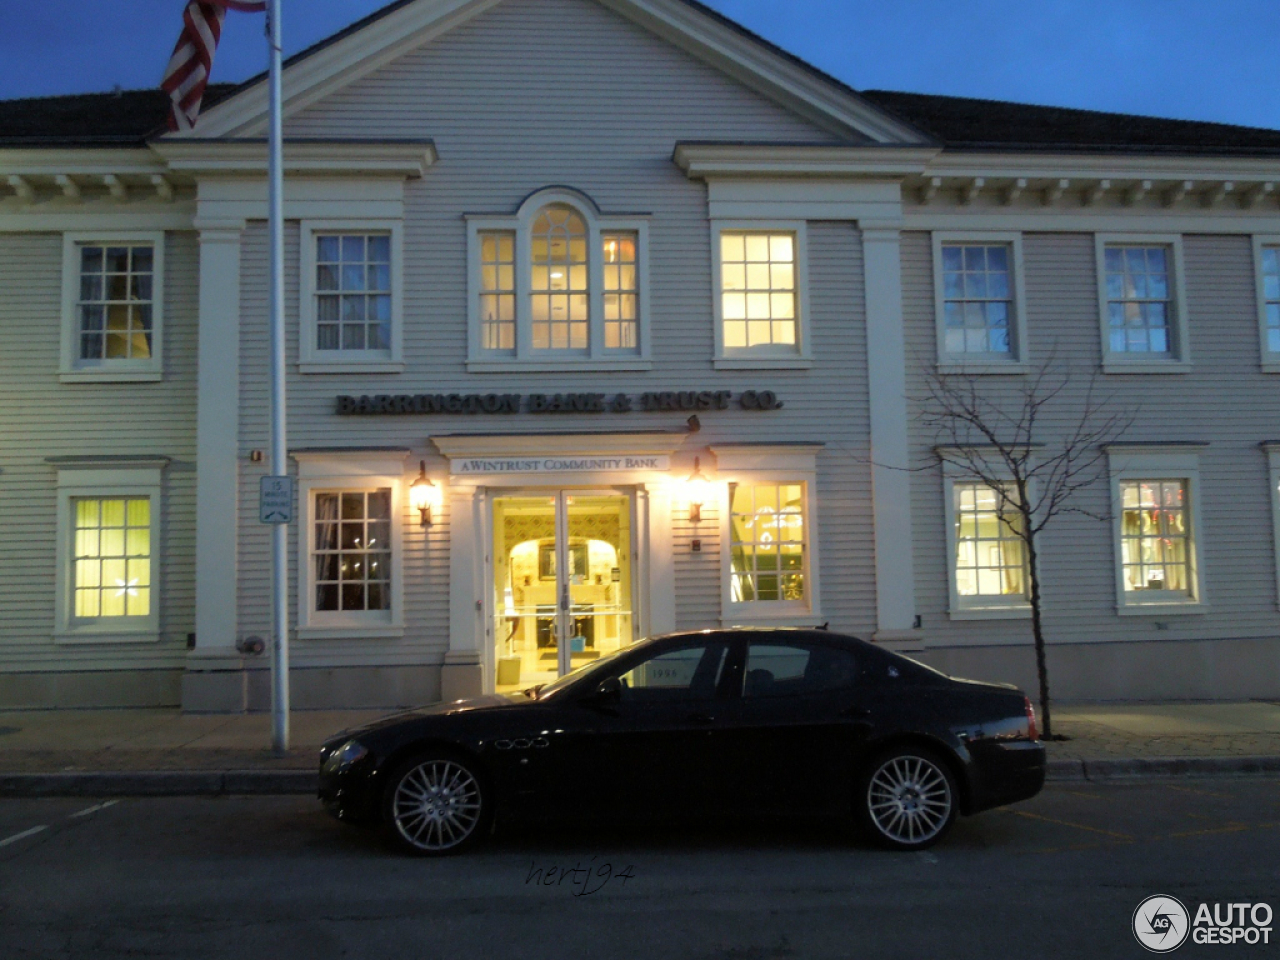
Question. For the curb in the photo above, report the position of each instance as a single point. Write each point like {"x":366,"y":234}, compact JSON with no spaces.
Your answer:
{"x":159,"y":783}
{"x":218,"y":783}
{"x":1160,"y":768}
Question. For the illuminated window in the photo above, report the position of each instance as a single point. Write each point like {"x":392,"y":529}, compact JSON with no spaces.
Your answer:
{"x":498,"y":290}
{"x":558,"y":287}
{"x":351,"y":550}
{"x":115,"y":304}
{"x":621,"y":290}
{"x":558,"y":284}
{"x":112,"y":557}
{"x":988,"y":553}
{"x":112,"y":301}
{"x":1155,"y":537}
{"x":108,"y":540}
{"x":349,"y":297}
{"x":758,"y":288}
{"x":768,"y":553}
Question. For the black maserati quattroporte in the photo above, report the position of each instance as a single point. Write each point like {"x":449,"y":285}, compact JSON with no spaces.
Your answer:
{"x":800,"y":722}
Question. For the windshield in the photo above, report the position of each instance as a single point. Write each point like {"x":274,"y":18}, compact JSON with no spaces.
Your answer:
{"x":573,"y":676}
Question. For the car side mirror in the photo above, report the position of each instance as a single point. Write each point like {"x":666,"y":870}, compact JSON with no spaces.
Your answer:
{"x":608,"y":693}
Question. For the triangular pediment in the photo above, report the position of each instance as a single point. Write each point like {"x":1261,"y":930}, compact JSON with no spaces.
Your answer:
{"x":408,"y":25}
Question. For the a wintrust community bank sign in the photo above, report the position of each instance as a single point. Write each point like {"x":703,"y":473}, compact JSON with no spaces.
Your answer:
{"x":490,"y":466}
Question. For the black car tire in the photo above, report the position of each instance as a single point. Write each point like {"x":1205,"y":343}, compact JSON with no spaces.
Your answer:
{"x":435,"y":804}
{"x":906,"y":798}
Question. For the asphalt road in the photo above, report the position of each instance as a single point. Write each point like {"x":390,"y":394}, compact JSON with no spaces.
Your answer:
{"x":267,"y":877}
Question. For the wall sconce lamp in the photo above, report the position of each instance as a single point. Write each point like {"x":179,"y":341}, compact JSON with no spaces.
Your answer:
{"x":697,"y":488}
{"x":423,"y":494}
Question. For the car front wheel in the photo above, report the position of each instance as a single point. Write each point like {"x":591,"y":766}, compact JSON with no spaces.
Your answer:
{"x":435,"y":805}
{"x":907,"y":799}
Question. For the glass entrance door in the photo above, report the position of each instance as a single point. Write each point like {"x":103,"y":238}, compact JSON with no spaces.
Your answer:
{"x":562,"y":583}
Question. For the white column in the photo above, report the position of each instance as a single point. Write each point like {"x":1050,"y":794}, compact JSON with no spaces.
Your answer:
{"x":890,"y":454}
{"x":217,"y":437}
{"x":463,"y":672}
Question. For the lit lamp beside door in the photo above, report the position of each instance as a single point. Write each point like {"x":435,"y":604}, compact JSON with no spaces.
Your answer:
{"x":697,"y":488}
{"x":424,"y":496}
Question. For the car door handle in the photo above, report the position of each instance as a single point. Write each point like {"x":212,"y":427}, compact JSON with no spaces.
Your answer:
{"x":700,"y":718}
{"x":855,"y":712}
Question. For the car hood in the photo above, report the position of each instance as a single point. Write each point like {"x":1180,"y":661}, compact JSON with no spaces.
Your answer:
{"x":492,"y":701}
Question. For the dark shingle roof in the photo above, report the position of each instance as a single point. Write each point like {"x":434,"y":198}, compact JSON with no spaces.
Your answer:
{"x":962,"y":123}
{"x":122,"y":118}
{"x":130,"y":117}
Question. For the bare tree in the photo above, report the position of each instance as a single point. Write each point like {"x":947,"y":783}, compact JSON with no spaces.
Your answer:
{"x":999,"y":438}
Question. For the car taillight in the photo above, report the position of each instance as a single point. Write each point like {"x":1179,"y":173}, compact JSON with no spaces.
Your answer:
{"x":1032,"y":731}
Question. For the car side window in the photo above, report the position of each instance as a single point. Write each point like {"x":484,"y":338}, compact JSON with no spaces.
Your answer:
{"x":685,"y":673}
{"x":779,"y":670}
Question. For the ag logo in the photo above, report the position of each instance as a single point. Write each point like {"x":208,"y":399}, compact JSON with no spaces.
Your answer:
{"x":1161,"y":924}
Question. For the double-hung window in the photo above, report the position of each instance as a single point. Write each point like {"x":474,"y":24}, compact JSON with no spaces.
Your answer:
{"x":558,"y":286}
{"x":768,"y":533}
{"x":1266,"y":258}
{"x":1143,"y":306}
{"x":978,"y":295}
{"x":1157,"y":528}
{"x":350,"y":297}
{"x":108,"y":547}
{"x":113,"y":306}
{"x":987,"y":552}
{"x":350,"y":550}
{"x":761,"y":293}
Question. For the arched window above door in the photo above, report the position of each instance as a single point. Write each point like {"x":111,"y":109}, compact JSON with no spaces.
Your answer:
{"x":558,"y":285}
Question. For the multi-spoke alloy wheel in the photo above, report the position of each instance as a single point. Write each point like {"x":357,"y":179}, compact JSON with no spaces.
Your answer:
{"x":435,"y":805}
{"x":908,"y":799}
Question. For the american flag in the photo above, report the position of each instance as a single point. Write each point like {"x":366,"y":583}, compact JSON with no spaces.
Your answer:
{"x":188,"y":72}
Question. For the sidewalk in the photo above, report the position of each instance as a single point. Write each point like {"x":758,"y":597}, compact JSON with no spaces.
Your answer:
{"x":166,"y":751}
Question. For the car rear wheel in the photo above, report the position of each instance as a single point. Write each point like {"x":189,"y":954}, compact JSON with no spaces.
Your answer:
{"x":435,"y":804}
{"x":907,"y":799}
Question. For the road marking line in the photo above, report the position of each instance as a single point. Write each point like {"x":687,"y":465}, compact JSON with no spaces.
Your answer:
{"x":1078,"y":826}
{"x":1230,"y":828}
{"x":21,"y":836}
{"x":94,"y":809}
{"x":1077,"y":793}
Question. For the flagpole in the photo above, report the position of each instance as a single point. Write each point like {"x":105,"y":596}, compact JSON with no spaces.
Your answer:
{"x":279,"y":462}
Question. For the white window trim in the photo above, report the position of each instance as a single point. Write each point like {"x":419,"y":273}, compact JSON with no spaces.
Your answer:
{"x":102,"y":479}
{"x":354,"y":470}
{"x":1270,"y":362}
{"x":1272,"y":450}
{"x":1154,"y":462}
{"x":72,"y":368}
{"x":526,"y":359}
{"x":1180,"y":362}
{"x":768,"y":464}
{"x":313,"y":360}
{"x":757,"y":358}
{"x":976,"y":608}
{"x":1018,"y":359}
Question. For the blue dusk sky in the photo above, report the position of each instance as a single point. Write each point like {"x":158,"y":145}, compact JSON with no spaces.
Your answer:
{"x":1190,"y":59}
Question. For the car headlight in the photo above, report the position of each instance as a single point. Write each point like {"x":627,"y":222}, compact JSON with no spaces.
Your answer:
{"x":349,"y":753}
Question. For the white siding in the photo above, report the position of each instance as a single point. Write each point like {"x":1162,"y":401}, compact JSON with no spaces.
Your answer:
{"x":41,"y":417}
{"x":515,"y":102}
{"x":1223,"y":401}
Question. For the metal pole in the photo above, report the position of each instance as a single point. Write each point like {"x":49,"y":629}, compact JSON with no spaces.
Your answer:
{"x":279,"y":461}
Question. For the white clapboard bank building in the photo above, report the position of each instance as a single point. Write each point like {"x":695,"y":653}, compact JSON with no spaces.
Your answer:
{"x":607,"y":318}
